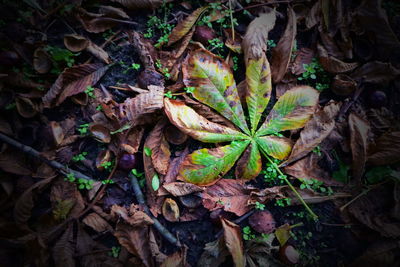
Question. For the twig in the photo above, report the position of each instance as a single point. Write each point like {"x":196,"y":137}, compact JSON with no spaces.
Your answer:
{"x":159,"y":227}
{"x":55,"y":164}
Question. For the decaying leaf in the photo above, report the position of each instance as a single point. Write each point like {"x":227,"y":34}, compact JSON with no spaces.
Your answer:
{"x":303,"y":56}
{"x":96,"y":222}
{"x":376,"y":72}
{"x":315,"y":131}
{"x":178,"y":189}
{"x":214,"y":253}
{"x":77,"y":43}
{"x":185,"y":25}
{"x":73,"y":81}
{"x":359,"y":129}
{"x":160,"y":153}
{"x":234,"y":45}
{"x":134,"y":217}
{"x":64,"y":249}
{"x":332,"y":64}
{"x":170,"y":210}
{"x":96,"y":23}
{"x":385,"y":151}
{"x":282,"y":53}
{"x":234,"y":242}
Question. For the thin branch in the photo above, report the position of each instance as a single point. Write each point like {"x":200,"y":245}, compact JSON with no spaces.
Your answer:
{"x":159,"y":227}
{"x":34,"y":153}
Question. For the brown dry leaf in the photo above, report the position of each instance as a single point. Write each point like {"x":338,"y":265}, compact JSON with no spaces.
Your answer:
{"x":77,"y":43}
{"x":135,"y":217}
{"x":214,"y":253}
{"x":96,"y":222}
{"x":359,"y":129}
{"x":25,"y":203}
{"x":174,"y":136}
{"x":373,"y":210}
{"x":208,"y":113}
{"x":63,"y":251}
{"x":62,"y":193}
{"x":12,"y":161}
{"x":231,"y":195}
{"x":303,"y":56}
{"x":73,"y":81}
{"x":178,"y":189}
{"x":308,"y":168}
{"x":259,"y":252}
{"x":386,"y":149}
{"x":26,"y":108}
{"x":41,"y":61}
{"x":314,"y":17}
{"x":113,"y":12}
{"x":234,"y":242}
{"x":136,"y":241}
{"x":160,"y":153}
{"x":96,"y":23}
{"x":174,"y":165}
{"x":332,"y":64}
{"x":381,"y":253}
{"x":100,"y":132}
{"x":233,"y":45}
{"x":343,"y":85}
{"x":177,"y":259}
{"x":314,"y":132}
{"x":144,"y":103}
{"x":141,"y":4}
{"x":282,"y":53}
{"x":370,"y":17}
{"x":255,"y":40}
{"x":185,"y":25}
{"x":376,"y":72}
{"x":265,"y":194}
{"x":170,"y":210}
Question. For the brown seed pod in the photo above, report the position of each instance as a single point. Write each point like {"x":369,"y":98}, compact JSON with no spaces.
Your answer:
{"x":203,"y":34}
{"x":174,"y":135}
{"x":190,"y":201}
{"x":100,"y":133}
{"x":102,"y":157}
{"x":262,"y":222}
{"x":289,"y":255}
{"x":170,"y":210}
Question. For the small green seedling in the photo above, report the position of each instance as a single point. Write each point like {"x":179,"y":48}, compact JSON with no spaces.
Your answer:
{"x":82,"y":183}
{"x":140,"y":176}
{"x":169,"y":95}
{"x":155,"y":182}
{"x":107,"y":165}
{"x":282,"y":202}
{"x":189,"y":90}
{"x":317,"y":150}
{"x":147,"y":151}
{"x":248,"y":233}
{"x":108,"y":181}
{"x":79,"y":157}
{"x":259,"y":206}
{"x":115,"y":252}
{"x":90,"y":91}
{"x":83,"y":128}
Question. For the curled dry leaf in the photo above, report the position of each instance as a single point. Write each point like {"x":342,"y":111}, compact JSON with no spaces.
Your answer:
{"x":96,"y":222}
{"x":100,"y":132}
{"x":234,"y":242}
{"x":73,"y":81}
{"x":174,"y":136}
{"x":181,"y":189}
{"x":160,"y":153}
{"x":77,"y":43}
{"x":282,"y":53}
{"x":315,"y":131}
{"x":386,"y":149}
{"x":134,"y":218}
{"x":185,"y":25}
{"x":133,"y":139}
{"x":255,"y":40}
{"x":170,"y":210}
{"x":174,"y":165}
{"x":103,"y":157}
{"x":234,"y":45}
{"x":41,"y":61}
{"x":343,"y":85}
{"x":376,"y":72}
{"x":303,"y":56}
{"x":332,"y":64}
{"x":25,"y":107}
{"x":359,"y":129}
{"x":96,"y":23}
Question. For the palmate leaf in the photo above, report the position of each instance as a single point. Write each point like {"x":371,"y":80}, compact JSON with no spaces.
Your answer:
{"x":291,"y":111}
{"x":259,"y":87}
{"x":277,"y":147}
{"x":214,"y":85}
{"x":249,"y":165}
{"x":205,"y":166}
{"x":198,"y":127}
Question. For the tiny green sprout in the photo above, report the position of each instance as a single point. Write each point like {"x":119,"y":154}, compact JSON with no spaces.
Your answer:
{"x":247,"y":233}
{"x":271,"y":43}
{"x":79,"y":157}
{"x":235,"y":60}
{"x":283,"y":202}
{"x":83,"y":128}
{"x":169,"y":95}
{"x":220,"y":202}
{"x":135,"y":66}
{"x":115,"y":252}
{"x":107,"y":165}
{"x":107,"y":181}
{"x":155,"y":182}
{"x":259,"y":206}
{"x":70,"y":177}
{"x":189,"y":90}
{"x":215,"y":44}
{"x":137,"y":173}
{"x":147,"y":151}
{"x":99,"y":108}
{"x":317,"y":150}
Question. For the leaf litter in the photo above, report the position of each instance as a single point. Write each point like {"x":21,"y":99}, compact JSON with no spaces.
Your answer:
{"x":185,"y":100}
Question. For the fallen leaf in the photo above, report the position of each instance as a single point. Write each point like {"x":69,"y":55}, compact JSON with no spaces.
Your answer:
{"x":100,"y":132}
{"x":134,"y":218}
{"x":314,"y":132}
{"x":214,"y":253}
{"x":77,"y":43}
{"x":160,"y":153}
{"x":176,"y":259}
{"x":14,"y":162}
{"x":343,"y":85}
{"x":170,"y":210}
{"x":314,"y":17}
{"x":96,"y":23}
{"x":183,"y":27}
{"x":41,"y":61}
{"x":235,"y":45}
{"x":303,"y":56}
{"x":359,"y":129}
{"x":141,"y":4}
{"x":380,"y":253}
{"x":376,"y":72}
{"x":282,"y":53}
{"x":332,"y":64}
{"x":385,"y":151}
{"x":181,"y":189}
{"x":65,"y":199}
{"x":255,"y":40}
{"x":96,"y":222}
{"x":63,"y":250}
{"x":174,"y":136}
{"x":174,"y":165}
{"x":73,"y":81}
{"x":25,"y":107}
{"x":258,"y":252}
{"x":282,"y":234}
{"x":234,"y":242}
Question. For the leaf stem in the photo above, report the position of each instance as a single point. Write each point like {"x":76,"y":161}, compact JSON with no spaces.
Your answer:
{"x":315,"y":217}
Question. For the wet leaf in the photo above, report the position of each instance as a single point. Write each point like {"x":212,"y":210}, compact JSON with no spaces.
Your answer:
{"x":214,"y":85}
{"x":214,"y":253}
{"x":258,"y":79}
{"x":249,"y":165}
{"x":255,"y":40}
{"x":376,"y":72}
{"x":277,"y":147}
{"x":359,"y":129}
{"x":96,"y":222}
{"x":181,"y":189}
{"x":196,"y":126}
{"x":282,"y":53}
{"x":160,"y":153}
{"x":100,"y":132}
{"x":73,"y":81}
{"x":170,"y":210}
{"x":185,"y":25}
{"x":234,"y":242}
{"x":291,"y":111}
{"x":332,"y":64}
{"x":385,"y":151}
{"x":315,"y":131}
{"x":206,"y":166}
